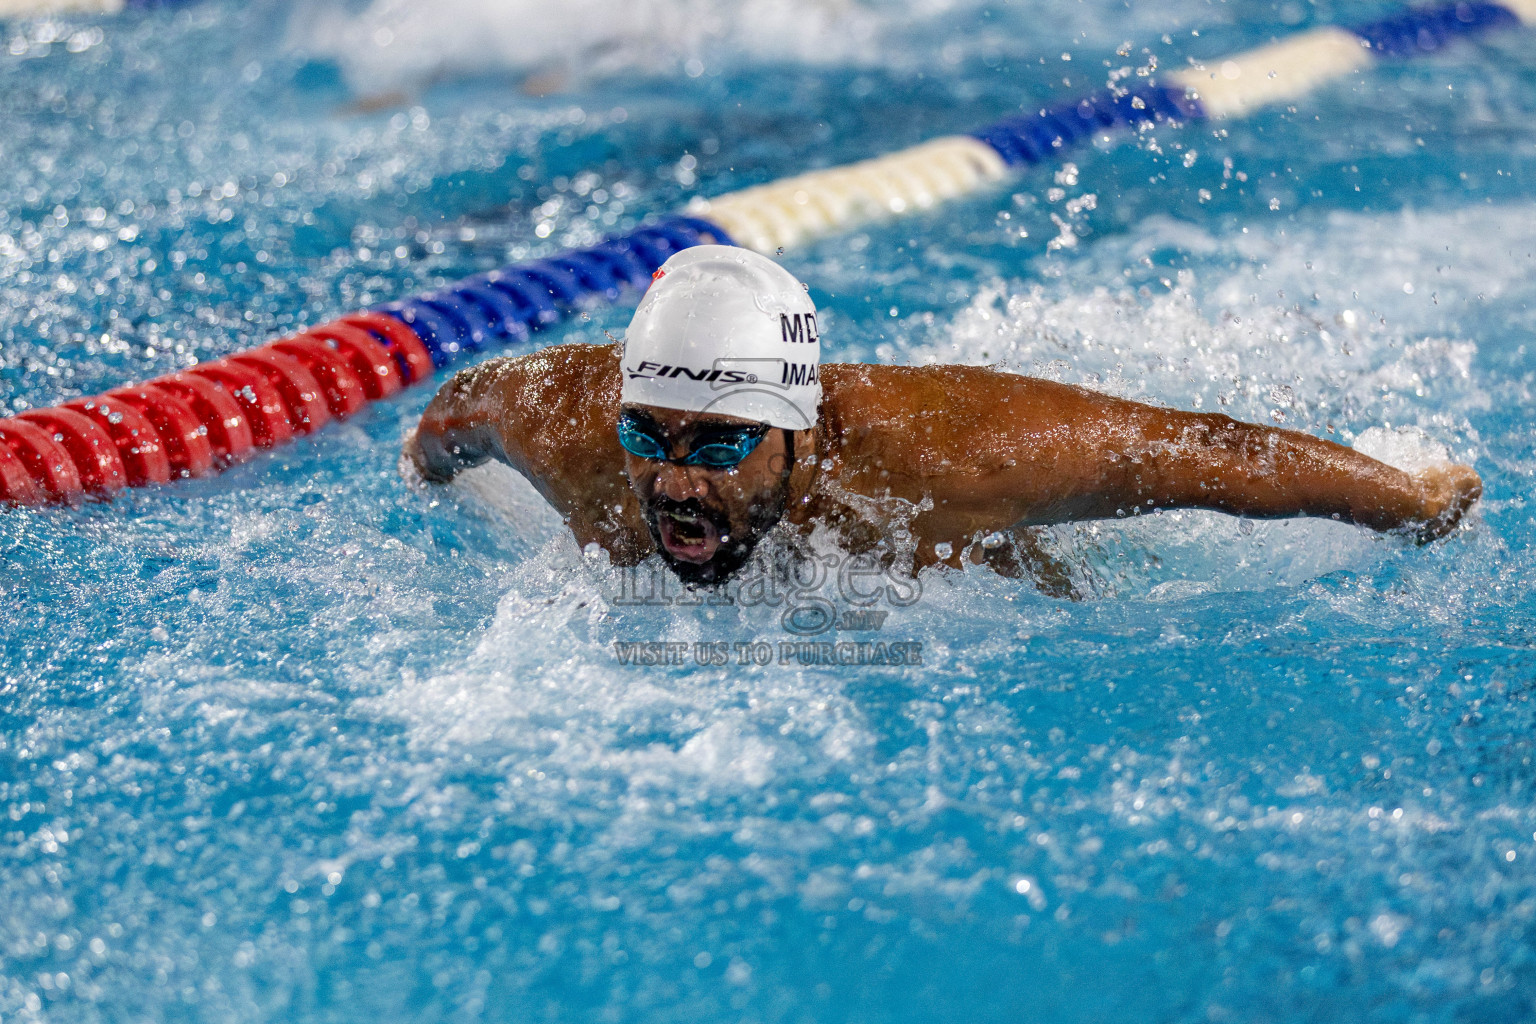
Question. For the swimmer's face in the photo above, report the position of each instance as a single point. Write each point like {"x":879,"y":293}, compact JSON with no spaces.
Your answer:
{"x":706,"y":520}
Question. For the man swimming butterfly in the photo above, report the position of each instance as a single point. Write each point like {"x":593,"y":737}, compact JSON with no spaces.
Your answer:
{"x":716,"y":421}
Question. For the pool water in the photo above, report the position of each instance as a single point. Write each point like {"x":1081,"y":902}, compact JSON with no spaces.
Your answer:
{"x":302,"y":743}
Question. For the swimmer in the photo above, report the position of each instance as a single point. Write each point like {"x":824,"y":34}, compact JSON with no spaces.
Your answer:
{"x":390,"y":52}
{"x":715,"y":421}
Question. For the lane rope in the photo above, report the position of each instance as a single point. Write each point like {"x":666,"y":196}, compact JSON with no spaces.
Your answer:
{"x":209,"y":416}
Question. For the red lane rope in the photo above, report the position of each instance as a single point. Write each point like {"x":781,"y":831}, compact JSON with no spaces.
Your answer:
{"x":307,"y":411}
{"x":16,"y":484}
{"x":183,"y":436}
{"x":344,"y":393}
{"x":376,"y":368}
{"x":412,"y":353}
{"x":229,"y":435}
{"x":208,"y":416}
{"x":47,"y":460}
{"x":87,"y":444}
{"x":138,"y":442}
{"x":263,"y":405}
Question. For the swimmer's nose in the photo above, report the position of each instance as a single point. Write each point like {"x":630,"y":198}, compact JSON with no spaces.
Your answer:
{"x":679,"y":483}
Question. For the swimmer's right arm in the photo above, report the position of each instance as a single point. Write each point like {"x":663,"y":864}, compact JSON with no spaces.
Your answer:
{"x":464,"y":425}
{"x":549,"y":415}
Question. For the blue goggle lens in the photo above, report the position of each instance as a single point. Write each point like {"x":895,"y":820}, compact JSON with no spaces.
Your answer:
{"x":719,"y":455}
{"x":722,"y":451}
{"x":638,"y":443}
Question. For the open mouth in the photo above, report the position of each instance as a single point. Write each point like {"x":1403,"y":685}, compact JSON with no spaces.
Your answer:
{"x":688,"y":537}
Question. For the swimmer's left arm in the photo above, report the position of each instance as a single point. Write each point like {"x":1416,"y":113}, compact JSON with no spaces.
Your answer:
{"x":1063,"y":453}
{"x":1215,"y":462}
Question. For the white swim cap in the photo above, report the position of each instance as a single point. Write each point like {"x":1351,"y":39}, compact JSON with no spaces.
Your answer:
{"x":725,"y":330}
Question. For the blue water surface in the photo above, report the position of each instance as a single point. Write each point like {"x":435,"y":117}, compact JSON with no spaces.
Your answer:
{"x":303,"y":743}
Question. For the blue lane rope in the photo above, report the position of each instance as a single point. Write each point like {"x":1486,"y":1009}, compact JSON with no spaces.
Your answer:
{"x":1416,"y":32}
{"x":509,"y":304}
{"x":1037,"y":138}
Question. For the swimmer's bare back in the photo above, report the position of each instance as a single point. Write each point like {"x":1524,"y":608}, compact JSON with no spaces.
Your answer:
{"x":993,"y":451}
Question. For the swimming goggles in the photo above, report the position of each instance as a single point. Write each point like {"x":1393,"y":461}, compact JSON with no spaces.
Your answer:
{"x":718,"y":449}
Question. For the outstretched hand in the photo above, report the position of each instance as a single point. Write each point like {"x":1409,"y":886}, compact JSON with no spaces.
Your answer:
{"x":416,"y":469}
{"x":1449,"y":490}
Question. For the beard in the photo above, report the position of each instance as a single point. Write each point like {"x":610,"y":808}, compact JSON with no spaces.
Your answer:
{"x":737,"y":542}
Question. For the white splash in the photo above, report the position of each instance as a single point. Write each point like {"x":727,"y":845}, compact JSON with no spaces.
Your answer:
{"x":1407,"y":448}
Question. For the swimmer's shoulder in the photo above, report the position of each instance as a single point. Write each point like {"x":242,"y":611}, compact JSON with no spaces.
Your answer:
{"x":863,"y":390}
{"x":918,"y":413}
{"x":545,"y":406}
{"x":560,"y":379}
{"x":572,"y":363}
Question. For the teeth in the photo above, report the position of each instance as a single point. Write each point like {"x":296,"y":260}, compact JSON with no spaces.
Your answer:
{"x":684,"y":518}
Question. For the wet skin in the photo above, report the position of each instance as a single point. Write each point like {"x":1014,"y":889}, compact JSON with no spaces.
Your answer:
{"x":990,"y":452}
